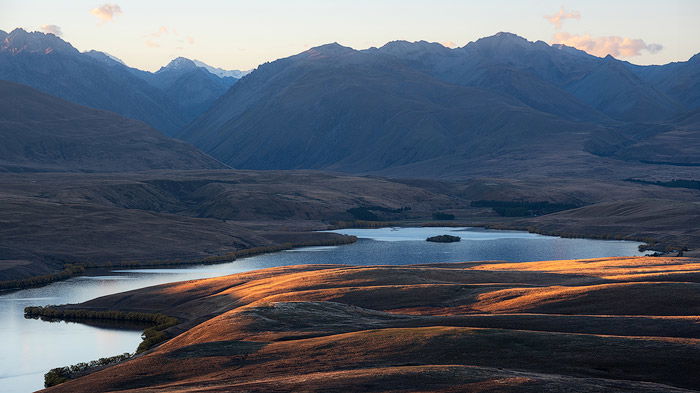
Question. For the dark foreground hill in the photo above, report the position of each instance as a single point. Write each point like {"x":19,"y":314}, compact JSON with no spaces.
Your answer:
{"x":40,"y":132}
{"x":408,"y":108}
{"x":600,"y":325}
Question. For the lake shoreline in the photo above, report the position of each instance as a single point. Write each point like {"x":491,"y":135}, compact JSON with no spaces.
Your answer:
{"x":70,"y":271}
{"x":375,"y":246}
{"x":78,"y":269}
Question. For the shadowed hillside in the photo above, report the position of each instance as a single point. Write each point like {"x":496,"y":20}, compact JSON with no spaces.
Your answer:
{"x":166,"y":216}
{"x":601,"y":325}
{"x":40,"y":132}
{"x":336,"y":108}
{"x":52,"y":219}
{"x":500,"y":104}
{"x":166,"y":101}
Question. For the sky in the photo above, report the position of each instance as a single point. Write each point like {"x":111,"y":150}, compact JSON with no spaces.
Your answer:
{"x":234,"y":34}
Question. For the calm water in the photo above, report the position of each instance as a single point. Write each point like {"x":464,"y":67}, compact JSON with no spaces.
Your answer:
{"x":31,"y":347}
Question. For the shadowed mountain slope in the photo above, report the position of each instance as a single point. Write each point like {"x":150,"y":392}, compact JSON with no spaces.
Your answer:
{"x":49,"y":64}
{"x":335,"y":108}
{"x":420,"y":108}
{"x":166,"y":101}
{"x":190,"y":85}
{"x":679,"y":80}
{"x":41,"y":132}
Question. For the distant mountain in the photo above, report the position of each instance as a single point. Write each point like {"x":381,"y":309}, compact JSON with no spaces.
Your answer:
{"x":555,"y":79}
{"x":332,"y":107}
{"x":50,"y":64}
{"x":105,"y":57}
{"x":421,"y":105}
{"x":220,"y":72}
{"x":166,"y":101}
{"x":679,"y":80}
{"x":40,"y":132}
{"x":192,"y":87}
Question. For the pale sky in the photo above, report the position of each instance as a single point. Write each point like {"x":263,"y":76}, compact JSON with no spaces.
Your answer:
{"x":242,"y":34}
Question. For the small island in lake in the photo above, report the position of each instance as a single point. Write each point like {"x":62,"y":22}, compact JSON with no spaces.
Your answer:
{"x":444,"y":239}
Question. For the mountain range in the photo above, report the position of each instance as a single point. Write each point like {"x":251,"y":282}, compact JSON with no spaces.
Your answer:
{"x":499,"y":105}
{"x":167,"y":99}
{"x":420,"y":107}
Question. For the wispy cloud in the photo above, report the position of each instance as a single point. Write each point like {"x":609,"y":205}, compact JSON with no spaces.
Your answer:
{"x":106,"y":12}
{"x":611,"y":45}
{"x":559,"y":18}
{"x":163,"y":30}
{"x":51,"y":29}
{"x":167,"y":37}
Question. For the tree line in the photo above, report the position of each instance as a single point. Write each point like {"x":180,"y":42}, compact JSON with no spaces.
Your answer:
{"x":59,"y":375}
{"x":150,"y":337}
{"x":76,"y":269}
{"x":68,"y":271}
{"x":675,"y":183}
{"x":523,"y":208}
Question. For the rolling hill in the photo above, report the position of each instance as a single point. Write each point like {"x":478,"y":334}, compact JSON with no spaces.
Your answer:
{"x":600,"y":325}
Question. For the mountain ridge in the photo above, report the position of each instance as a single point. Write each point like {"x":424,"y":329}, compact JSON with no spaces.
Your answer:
{"x":368,"y":111}
{"x":99,"y":80}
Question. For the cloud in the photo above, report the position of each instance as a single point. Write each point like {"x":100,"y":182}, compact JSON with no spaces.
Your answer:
{"x":106,"y":12}
{"x":611,"y":45}
{"x":599,"y":46}
{"x":167,"y":37}
{"x":51,"y":29}
{"x":163,"y":30}
{"x":558,"y":18}
{"x":448,"y":44}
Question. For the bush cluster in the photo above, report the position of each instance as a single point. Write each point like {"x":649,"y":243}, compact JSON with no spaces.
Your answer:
{"x":523,"y":208}
{"x":676,"y":183}
{"x":443,"y":216}
{"x":151,"y":336}
{"x":62,"y":374}
{"x":366,"y":213}
{"x":68,"y":271}
{"x":72,"y":270}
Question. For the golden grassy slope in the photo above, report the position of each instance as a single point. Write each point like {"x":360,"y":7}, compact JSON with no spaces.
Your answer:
{"x":583,"y":325}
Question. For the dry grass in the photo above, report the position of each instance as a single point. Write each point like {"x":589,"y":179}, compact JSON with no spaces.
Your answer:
{"x":477,"y":327}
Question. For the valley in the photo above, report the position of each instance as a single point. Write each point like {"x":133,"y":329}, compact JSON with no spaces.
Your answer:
{"x":37,"y":346}
{"x":264,"y":228}
{"x":165,"y":217}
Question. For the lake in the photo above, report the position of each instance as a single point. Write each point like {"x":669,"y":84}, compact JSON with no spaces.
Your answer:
{"x":32,"y":347}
